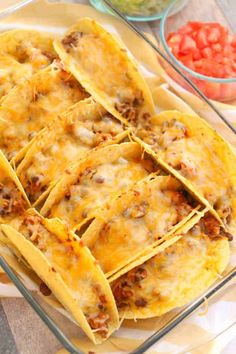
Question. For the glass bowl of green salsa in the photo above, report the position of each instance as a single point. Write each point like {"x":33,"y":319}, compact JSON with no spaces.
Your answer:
{"x":140,"y":10}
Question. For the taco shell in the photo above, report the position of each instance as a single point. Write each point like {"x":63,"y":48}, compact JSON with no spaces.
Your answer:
{"x":199,"y":157}
{"x":105,"y":69}
{"x":173,"y":277}
{"x":67,"y":139}
{"x":23,"y":53}
{"x":89,"y":184}
{"x":32,"y":104}
{"x":76,"y":280}
{"x":135,"y":222}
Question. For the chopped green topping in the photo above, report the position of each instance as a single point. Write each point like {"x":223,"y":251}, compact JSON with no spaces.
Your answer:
{"x":141,"y":7}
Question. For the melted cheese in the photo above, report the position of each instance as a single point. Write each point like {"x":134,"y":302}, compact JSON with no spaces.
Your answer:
{"x":94,"y":186}
{"x":89,"y":183}
{"x":31,"y":105}
{"x":172,"y":278}
{"x":203,"y":168}
{"x":195,"y":152}
{"x":135,"y":221}
{"x":23,"y":53}
{"x":106,"y":70}
{"x":68,"y":138}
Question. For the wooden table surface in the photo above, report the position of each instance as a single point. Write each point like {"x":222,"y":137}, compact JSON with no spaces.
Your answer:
{"x":17,"y":319}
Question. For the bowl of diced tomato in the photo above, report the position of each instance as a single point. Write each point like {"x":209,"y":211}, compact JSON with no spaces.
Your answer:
{"x":205,"y":51}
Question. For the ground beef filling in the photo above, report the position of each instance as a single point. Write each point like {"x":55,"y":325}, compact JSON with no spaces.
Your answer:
{"x":35,"y":187}
{"x":128,"y":111}
{"x":123,"y":288}
{"x":71,"y":40}
{"x":212,"y":228}
{"x":131,"y":108}
{"x":11,"y":201}
{"x":33,"y":229}
{"x":99,"y":321}
{"x":183,"y":204}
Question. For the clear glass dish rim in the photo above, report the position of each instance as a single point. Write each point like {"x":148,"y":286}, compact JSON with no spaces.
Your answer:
{"x":12,"y":8}
{"x":163,"y":20}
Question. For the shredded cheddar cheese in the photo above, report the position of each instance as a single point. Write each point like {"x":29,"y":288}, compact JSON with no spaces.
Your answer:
{"x":91,"y":183}
{"x":82,"y":128}
{"x":32,"y":104}
{"x":23,"y":53}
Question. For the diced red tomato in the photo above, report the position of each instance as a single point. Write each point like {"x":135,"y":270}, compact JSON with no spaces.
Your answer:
{"x":233,"y":43}
{"x":207,"y":53}
{"x":197,"y":54}
{"x":186,"y":29}
{"x":187,"y":45}
{"x":187,"y":60}
{"x":217,"y":47}
{"x":209,"y":49}
{"x":214,"y":35}
{"x":201,"y":38}
{"x":174,"y":43}
{"x":195,"y":25}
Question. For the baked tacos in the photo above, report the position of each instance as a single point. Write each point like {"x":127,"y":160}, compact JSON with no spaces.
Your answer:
{"x":32,"y":104}
{"x":13,"y":200}
{"x":198,"y":156}
{"x":81,"y":128}
{"x":143,"y":217}
{"x":23,"y":53}
{"x":175,"y":276}
{"x":89,"y":184}
{"x":106,"y":70}
{"x":68,"y":269}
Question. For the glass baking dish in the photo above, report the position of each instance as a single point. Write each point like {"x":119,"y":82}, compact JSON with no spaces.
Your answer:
{"x":9,"y":6}
{"x":214,"y":318}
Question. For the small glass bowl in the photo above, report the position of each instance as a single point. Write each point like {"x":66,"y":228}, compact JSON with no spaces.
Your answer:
{"x":101,"y":6}
{"x":218,"y":89}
